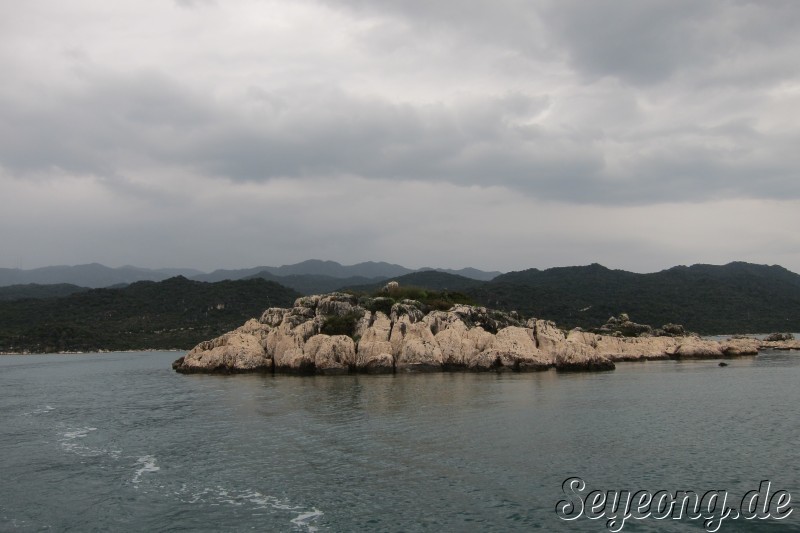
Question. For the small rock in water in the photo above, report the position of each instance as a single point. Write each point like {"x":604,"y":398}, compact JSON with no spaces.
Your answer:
{"x":723,"y":363}
{"x":777,"y":337}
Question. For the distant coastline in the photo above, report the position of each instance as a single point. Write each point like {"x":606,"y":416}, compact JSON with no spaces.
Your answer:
{"x":788,"y":346}
{"x":177,"y":350}
{"x":179,"y":312}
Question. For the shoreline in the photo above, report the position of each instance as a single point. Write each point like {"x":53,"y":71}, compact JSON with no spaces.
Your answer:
{"x":466,"y":370}
{"x":430,"y":369}
{"x":79,"y":352}
{"x":763,"y":346}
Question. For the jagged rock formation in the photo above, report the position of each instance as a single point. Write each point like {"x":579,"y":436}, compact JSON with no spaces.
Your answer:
{"x":786,"y":344}
{"x":623,"y":326}
{"x":383,"y":336}
{"x":776,"y":337}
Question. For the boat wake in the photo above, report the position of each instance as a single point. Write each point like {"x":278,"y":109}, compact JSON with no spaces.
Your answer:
{"x":72,"y":441}
{"x":148,"y":465}
{"x":77,"y":440}
{"x":304,"y":519}
{"x":39,"y":411}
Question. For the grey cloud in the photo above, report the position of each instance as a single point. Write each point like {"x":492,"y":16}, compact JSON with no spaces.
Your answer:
{"x":117,"y":126}
{"x":639,"y":41}
{"x":109,"y":122}
{"x":193,"y":3}
{"x":506,"y":23}
{"x":612,"y":150}
{"x":490,"y":143}
{"x":651,"y":41}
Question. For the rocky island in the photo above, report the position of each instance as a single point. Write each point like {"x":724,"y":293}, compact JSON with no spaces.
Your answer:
{"x":341,"y":333}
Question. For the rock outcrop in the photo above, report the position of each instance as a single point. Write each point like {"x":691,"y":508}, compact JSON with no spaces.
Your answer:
{"x":623,"y":326}
{"x":749,"y":345}
{"x":383,"y":336}
{"x":778,"y":337}
{"x":374,"y":349}
{"x":241,"y":350}
{"x":789,"y":344}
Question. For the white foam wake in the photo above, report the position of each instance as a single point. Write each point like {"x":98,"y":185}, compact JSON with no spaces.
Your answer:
{"x":148,"y":465}
{"x":39,"y":411}
{"x":304,"y":519}
{"x":72,"y":441}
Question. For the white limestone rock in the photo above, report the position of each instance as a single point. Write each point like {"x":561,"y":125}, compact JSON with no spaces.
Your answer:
{"x":460,"y":345}
{"x":241,"y":350}
{"x":414,"y":347}
{"x":513,"y":349}
{"x":331,"y":354}
{"x":374,"y":344}
{"x":576,"y":356}
{"x":549,"y":339}
{"x":696,"y":348}
{"x":337,"y":304}
{"x":738,"y":347}
{"x":273,"y":316}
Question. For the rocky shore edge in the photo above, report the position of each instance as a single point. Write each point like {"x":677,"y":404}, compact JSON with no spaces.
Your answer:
{"x":383,"y":336}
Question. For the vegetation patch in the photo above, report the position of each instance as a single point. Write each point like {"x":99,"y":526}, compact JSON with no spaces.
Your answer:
{"x":342,"y":324}
{"x":431,"y":299}
{"x":383,"y":304}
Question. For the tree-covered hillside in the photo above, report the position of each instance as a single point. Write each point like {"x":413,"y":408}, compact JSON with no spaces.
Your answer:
{"x":734,"y":298}
{"x":428,"y":279}
{"x":179,"y":313}
{"x":35,"y":290}
{"x":175,"y":313}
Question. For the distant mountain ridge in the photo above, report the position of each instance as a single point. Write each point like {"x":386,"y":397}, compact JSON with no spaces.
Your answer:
{"x":95,"y":275}
{"x":313,"y":267}
{"x":92,"y":275}
{"x":471,"y":273}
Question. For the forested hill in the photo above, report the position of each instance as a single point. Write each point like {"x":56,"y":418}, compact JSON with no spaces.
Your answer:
{"x":35,"y":290}
{"x":179,"y":313}
{"x":734,"y":298}
{"x":175,"y":313}
{"x":428,"y":279}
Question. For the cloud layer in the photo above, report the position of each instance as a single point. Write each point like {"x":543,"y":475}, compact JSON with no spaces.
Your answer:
{"x":502,"y":134}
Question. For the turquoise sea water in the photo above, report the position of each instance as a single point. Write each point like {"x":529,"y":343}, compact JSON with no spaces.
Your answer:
{"x":119,"y":442}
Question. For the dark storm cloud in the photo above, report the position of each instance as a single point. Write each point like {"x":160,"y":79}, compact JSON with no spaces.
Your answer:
{"x":191,"y":131}
{"x":645,"y":42}
{"x":575,"y":141}
{"x":116,"y":124}
{"x":120,"y":122}
{"x":639,"y":41}
{"x":108,"y":122}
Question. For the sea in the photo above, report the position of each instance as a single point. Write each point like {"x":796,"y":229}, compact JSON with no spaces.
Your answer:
{"x":120,"y":442}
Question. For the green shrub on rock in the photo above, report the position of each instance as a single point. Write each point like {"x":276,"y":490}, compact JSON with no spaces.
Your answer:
{"x":341,"y":324}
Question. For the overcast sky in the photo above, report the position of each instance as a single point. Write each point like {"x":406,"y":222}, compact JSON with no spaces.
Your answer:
{"x":502,"y":134}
